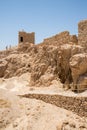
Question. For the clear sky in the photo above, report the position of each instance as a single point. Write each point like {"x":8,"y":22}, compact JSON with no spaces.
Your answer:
{"x":44,"y":17}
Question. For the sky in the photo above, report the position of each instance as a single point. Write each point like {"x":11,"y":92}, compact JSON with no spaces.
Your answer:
{"x":44,"y":17}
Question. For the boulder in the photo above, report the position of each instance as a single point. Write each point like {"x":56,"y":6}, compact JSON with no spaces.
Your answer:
{"x":78,"y":65}
{"x":16,"y":64}
{"x":82,"y":81}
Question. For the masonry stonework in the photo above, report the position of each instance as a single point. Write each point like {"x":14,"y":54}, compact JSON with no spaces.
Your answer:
{"x":74,"y":104}
{"x":82,"y":33}
{"x":62,"y":38}
{"x":26,"y":37}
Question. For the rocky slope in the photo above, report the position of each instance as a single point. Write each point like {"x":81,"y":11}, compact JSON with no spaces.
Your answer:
{"x":31,"y":114}
{"x":47,"y":68}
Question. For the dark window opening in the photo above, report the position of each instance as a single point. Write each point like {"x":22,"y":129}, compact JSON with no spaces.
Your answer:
{"x":21,"y":39}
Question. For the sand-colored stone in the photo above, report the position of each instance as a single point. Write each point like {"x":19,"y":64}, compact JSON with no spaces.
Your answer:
{"x":36,"y":82}
{"x":78,"y":65}
{"x":82,"y":33}
{"x":51,"y":57}
{"x":26,"y":37}
{"x":25,"y":112}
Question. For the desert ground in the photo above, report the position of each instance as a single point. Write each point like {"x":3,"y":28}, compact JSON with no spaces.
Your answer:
{"x":20,"y":113}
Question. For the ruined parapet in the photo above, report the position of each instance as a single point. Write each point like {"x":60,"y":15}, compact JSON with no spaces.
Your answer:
{"x":62,"y":38}
{"x":26,"y":37}
{"x":59,"y":39}
{"x":82,"y":33}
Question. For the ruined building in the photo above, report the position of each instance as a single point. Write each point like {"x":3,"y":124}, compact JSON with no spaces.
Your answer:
{"x":65,"y":37}
{"x":63,"y":55}
{"x":24,"y":37}
{"x":61,"y":38}
{"x":82,"y":33}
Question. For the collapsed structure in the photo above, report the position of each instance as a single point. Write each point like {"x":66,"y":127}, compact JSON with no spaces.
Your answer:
{"x":61,"y":38}
{"x":24,"y":37}
{"x":82,"y":33}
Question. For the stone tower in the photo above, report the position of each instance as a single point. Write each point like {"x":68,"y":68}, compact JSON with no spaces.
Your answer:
{"x":82,"y":33}
{"x":24,"y":37}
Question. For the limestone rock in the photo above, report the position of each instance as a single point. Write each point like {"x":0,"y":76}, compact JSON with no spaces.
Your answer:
{"x":64,"y":54}
{"x":23,"y":47}
{"x":82,"y":81}
{"x":78,"y":64}
{"x":3,"y":67}
{"x":53,"y":60}
{"x":16,"y":64}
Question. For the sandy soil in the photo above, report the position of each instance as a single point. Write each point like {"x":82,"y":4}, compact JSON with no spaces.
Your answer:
{"x":20,"y":85}
{"x":30,"y":114}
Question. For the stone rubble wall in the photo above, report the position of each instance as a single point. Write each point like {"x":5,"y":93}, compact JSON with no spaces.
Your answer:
{"x":62,"y":38}
{"x":27,"y":37}
{"x":82,"y":33}
{"x":74,"y":104}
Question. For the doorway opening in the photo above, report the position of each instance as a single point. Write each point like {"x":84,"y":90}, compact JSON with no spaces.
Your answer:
{"x":21,"y":39}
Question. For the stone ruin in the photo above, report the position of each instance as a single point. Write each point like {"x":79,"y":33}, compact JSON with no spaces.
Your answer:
{"x":62,"y":56}
{"x":24,"y":37}
{"x":61,"y":38}
{"x":82,"y":33}
{"x":65,"y":37}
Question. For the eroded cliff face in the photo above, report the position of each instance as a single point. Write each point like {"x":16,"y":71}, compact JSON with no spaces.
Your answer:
{"x":56,"y":58}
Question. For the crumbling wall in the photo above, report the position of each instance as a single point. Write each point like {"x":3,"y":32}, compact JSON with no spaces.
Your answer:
{"x":74,"y":104}
{"x":62,"y":38}
{"x":82,"y":33}
{"x":26,"y":37}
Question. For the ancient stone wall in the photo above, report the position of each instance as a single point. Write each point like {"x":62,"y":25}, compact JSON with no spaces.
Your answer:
{"x":82,"y":33}
{"x":62,"y":38}
{"x":74,"y":104}
{"x":26,"y":37}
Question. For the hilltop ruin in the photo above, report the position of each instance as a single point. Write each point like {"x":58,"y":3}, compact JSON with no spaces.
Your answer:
{"x":44,"y":86}
{"x":24,"y":37}
{"x":61,"y":57}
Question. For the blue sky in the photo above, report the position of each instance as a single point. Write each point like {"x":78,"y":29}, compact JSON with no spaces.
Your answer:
{"x":44,"y":17}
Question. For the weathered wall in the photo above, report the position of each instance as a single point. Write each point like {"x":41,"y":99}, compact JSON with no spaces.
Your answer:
{"x":82,"y":33}
{"x":27,"y":37}
{"x":74,"y":104}
{"x":62,"y":38}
